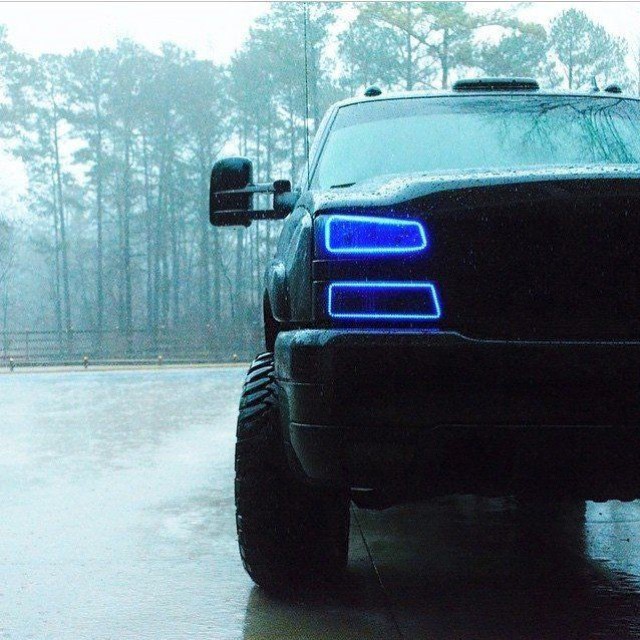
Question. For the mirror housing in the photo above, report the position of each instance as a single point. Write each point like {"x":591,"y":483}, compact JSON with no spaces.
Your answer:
{"x":231,"y":194}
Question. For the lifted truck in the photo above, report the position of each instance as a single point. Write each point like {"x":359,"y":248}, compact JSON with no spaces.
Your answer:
{"x":454,"y":307}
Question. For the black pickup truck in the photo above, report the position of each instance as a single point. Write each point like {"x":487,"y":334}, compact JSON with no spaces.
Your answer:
{"x":454,"y":307}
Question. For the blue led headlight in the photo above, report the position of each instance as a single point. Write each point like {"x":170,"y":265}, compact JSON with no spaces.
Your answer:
{"x":367,"y":300}
{"x":370,"y":235}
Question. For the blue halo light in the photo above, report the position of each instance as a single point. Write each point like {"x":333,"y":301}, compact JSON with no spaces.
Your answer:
{"x":383,"y":301}
{"x":371,"y":235}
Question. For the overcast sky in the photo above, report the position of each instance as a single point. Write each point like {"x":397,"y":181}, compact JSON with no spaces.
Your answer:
{"x":213,"y":29}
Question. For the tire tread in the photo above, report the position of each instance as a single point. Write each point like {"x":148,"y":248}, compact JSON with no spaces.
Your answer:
{"x":288,"y":532}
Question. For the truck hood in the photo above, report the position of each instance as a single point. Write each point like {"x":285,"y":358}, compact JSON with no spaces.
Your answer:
{"x":542,"y":254}
{"x":387,"y":191}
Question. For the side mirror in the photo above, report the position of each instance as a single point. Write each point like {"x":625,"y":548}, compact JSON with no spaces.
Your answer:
{"x":232,"y":190}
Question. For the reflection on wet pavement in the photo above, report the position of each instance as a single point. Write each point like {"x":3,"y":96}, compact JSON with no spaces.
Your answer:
{"x":117,"y":522}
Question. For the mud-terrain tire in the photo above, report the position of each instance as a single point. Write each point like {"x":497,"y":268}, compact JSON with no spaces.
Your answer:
{"x":290,"y":534}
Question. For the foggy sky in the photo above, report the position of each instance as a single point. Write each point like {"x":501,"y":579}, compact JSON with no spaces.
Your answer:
{"x":214,"y":29}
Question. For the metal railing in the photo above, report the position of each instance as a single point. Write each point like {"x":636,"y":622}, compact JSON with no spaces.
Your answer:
{"x":41,"y":348}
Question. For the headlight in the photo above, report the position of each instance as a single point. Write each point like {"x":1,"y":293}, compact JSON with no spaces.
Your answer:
{"x":368,"y":300}
{"x":345,"y":234}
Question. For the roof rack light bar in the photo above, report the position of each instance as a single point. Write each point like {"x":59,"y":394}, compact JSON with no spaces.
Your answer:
{"x":497,"y":84}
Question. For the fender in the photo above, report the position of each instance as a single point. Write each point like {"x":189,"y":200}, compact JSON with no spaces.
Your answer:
{"x":277,"y":291}
{"x":288,"y":281}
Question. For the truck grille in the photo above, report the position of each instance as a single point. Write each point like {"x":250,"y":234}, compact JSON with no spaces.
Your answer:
{"x":563,"y":268}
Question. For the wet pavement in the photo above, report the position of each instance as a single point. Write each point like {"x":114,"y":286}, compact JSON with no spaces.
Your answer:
{"x":116,"y":521}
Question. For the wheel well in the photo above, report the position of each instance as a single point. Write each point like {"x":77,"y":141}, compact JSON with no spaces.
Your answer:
{"x":271,"y":326}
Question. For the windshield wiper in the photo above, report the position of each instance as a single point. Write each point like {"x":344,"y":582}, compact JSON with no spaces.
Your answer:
{"x":342,"y":186}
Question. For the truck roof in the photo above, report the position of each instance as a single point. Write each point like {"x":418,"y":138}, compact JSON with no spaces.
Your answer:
{"x":439,"y":93}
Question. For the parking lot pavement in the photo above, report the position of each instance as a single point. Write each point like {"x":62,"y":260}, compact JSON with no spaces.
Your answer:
{"x":117,"y":522}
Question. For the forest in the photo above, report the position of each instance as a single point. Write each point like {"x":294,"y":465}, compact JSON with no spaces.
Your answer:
{"x":117,"y":145}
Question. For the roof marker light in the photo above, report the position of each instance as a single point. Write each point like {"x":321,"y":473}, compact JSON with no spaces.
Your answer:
{"x":383,"y":301}
{"x":372,"y":235}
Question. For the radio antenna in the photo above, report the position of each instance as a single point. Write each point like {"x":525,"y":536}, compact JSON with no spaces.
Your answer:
{"x":305,"y":17}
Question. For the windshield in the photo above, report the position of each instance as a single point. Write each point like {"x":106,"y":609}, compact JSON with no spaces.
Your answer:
{"x":408,"y":135}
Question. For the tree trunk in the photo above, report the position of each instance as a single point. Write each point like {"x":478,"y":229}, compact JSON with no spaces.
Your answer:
{"x":205,"y":230}
{"x":269,"y":170}
{"x":99,"y":223}
{"x":165,"y":287}
{"x":63,"y":226}
{"x":445,"y":59}
{"x":409,"y":80}
{"x":217,"y":280}
{"x":126,"y":237}
{"x":638,"y":67}
{"x":570,"y":69}
{"x":157,"y":254}
{"x":175,"y":257}
{"x":239,"y":275}
{"x":292,"y":138}
{"x":148,"y":236}
{"x":56,"y":250}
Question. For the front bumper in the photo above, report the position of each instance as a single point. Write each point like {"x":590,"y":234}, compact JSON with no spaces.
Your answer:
{"x":377,"y":407}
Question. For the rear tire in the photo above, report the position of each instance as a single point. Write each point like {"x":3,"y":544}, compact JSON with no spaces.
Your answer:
{"x":290,"y":534}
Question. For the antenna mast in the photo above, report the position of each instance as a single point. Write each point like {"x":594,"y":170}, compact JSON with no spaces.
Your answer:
{"x":305,"y":14}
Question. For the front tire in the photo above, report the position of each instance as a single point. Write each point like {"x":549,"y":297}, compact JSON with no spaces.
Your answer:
{"x":290,"y":534}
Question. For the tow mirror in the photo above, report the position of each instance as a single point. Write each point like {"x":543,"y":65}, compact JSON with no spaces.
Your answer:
{"x":232,"y":192}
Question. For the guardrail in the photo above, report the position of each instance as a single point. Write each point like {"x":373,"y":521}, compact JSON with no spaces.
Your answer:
{"x":42,"y":348}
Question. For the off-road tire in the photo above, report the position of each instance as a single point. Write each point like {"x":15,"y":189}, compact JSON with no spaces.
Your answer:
{"x":290,"y":534}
